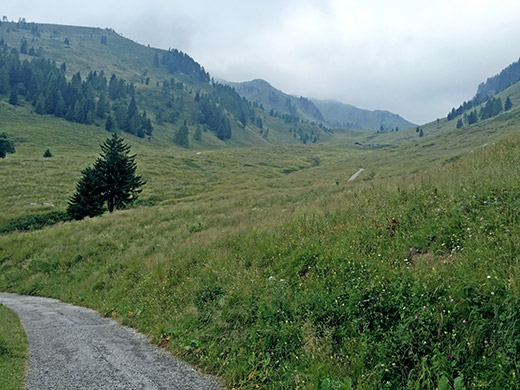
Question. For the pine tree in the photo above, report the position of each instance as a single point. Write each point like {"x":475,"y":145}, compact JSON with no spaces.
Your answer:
{"x":472,"y":117}
{"x":6,"y":145}
{"x":109,"y":124}
{"x":4,"y":80}
{"x":459,"y":123}
{"x":508,"y":104}
{"x":13,"y":97}
{"x":88,"y":200}
{"x":197,"y":136}
{"x":61,"y":108}
{"x":102,"y":106}
{"x":40,"y":105}
{"x":181,"y":136}
{"x":115,"y":170}
{"x":47,"y":153}
{"x":23,"y":47}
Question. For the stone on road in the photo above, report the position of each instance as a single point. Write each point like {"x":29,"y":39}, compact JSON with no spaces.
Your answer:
{"x":74,"y":348}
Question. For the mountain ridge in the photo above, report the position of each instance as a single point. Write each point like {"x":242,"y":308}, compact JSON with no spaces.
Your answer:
{"x":169,"y":85}
{"x":329,"y":112}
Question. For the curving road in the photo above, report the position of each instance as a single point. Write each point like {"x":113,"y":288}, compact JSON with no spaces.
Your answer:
{"x":74,"y":348}
{"x":355,"y":175}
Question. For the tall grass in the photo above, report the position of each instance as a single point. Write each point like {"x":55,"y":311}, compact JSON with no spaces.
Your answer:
{"x":13,"y":350}
{"x":398,"y":283}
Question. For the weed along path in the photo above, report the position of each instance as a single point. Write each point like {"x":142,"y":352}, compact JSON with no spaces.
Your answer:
{"x":74,"y":348}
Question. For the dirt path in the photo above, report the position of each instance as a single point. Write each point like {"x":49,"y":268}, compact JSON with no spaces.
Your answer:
{"x":74,"y":348}
{"x":353,"y":177}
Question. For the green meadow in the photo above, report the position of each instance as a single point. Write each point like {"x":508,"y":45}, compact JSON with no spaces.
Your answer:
{"x":264,"y":266}
{"x":257,"y":261}
{"x":13,"y":350}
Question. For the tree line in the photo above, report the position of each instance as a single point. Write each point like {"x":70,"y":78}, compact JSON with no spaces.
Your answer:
{"x":44,"y":85}
{"x":493,"y":85}
{"x":176,"y":61}
{"x":492,"y":108}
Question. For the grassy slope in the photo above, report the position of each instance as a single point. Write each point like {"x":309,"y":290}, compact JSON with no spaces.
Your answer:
{"x":204,"y":263}
{"x":133,"y":62}
{"x":13,"y":350}
{"x":267,"y":268}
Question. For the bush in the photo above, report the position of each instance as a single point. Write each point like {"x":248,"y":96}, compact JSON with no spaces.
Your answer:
{"x":34,"y":222}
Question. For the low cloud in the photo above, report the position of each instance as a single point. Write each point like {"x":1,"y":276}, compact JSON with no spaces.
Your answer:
{"x":415,"y":58}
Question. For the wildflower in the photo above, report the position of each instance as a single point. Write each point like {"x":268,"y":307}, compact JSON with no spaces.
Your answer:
{"x":452,"y":300}
{"x":485,"y":202}
{"x":463,"y":321}
{"x":424,"y":307}
{"x":481,"y":218}
{"x":489,"y":276}
{"x":450,"y":356}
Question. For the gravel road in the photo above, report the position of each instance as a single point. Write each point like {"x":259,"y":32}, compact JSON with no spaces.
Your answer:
{"x":355,"y":175}
{"x":74,"y":348}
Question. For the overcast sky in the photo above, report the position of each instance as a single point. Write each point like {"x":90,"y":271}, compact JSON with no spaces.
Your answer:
{"x":416,"y":58}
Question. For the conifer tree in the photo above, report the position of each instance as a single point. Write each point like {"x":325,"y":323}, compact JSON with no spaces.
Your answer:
{"x":112,"y":179}
{"x":13,"y":97}
{"x":115,"y":170}
{"x":508,"y":104}
{"x":6,"y":145}
{"x":102,"y":106}
{"x":181,"y":136}
{"x":472,"y":117}
{"x":109,"y":124}
{"x":23,"y":46}
{"x":197,"y":136}
{"x":4,"y":80}
{"x":88,"y":200}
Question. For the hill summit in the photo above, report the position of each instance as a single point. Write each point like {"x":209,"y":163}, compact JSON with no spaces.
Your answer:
{"x":328,"y":112}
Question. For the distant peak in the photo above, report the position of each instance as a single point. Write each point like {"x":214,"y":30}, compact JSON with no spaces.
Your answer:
{"x":260,"y":81}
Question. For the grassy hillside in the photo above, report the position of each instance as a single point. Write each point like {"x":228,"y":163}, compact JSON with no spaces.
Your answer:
{"x":264,"y":266}
{"x":13,"y":350}
{"x":85,"y":50}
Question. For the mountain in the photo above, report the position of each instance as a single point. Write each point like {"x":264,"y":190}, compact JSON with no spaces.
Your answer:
{"x":272,"y":99}
{"x":263,"y":265}
{"x":487,"y":90}
{"x":347,"y":116}
{"x":86,"y":75}
{"x":329,"y":112}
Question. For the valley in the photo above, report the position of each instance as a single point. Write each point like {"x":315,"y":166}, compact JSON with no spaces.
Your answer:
{"x":255,"y":257}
